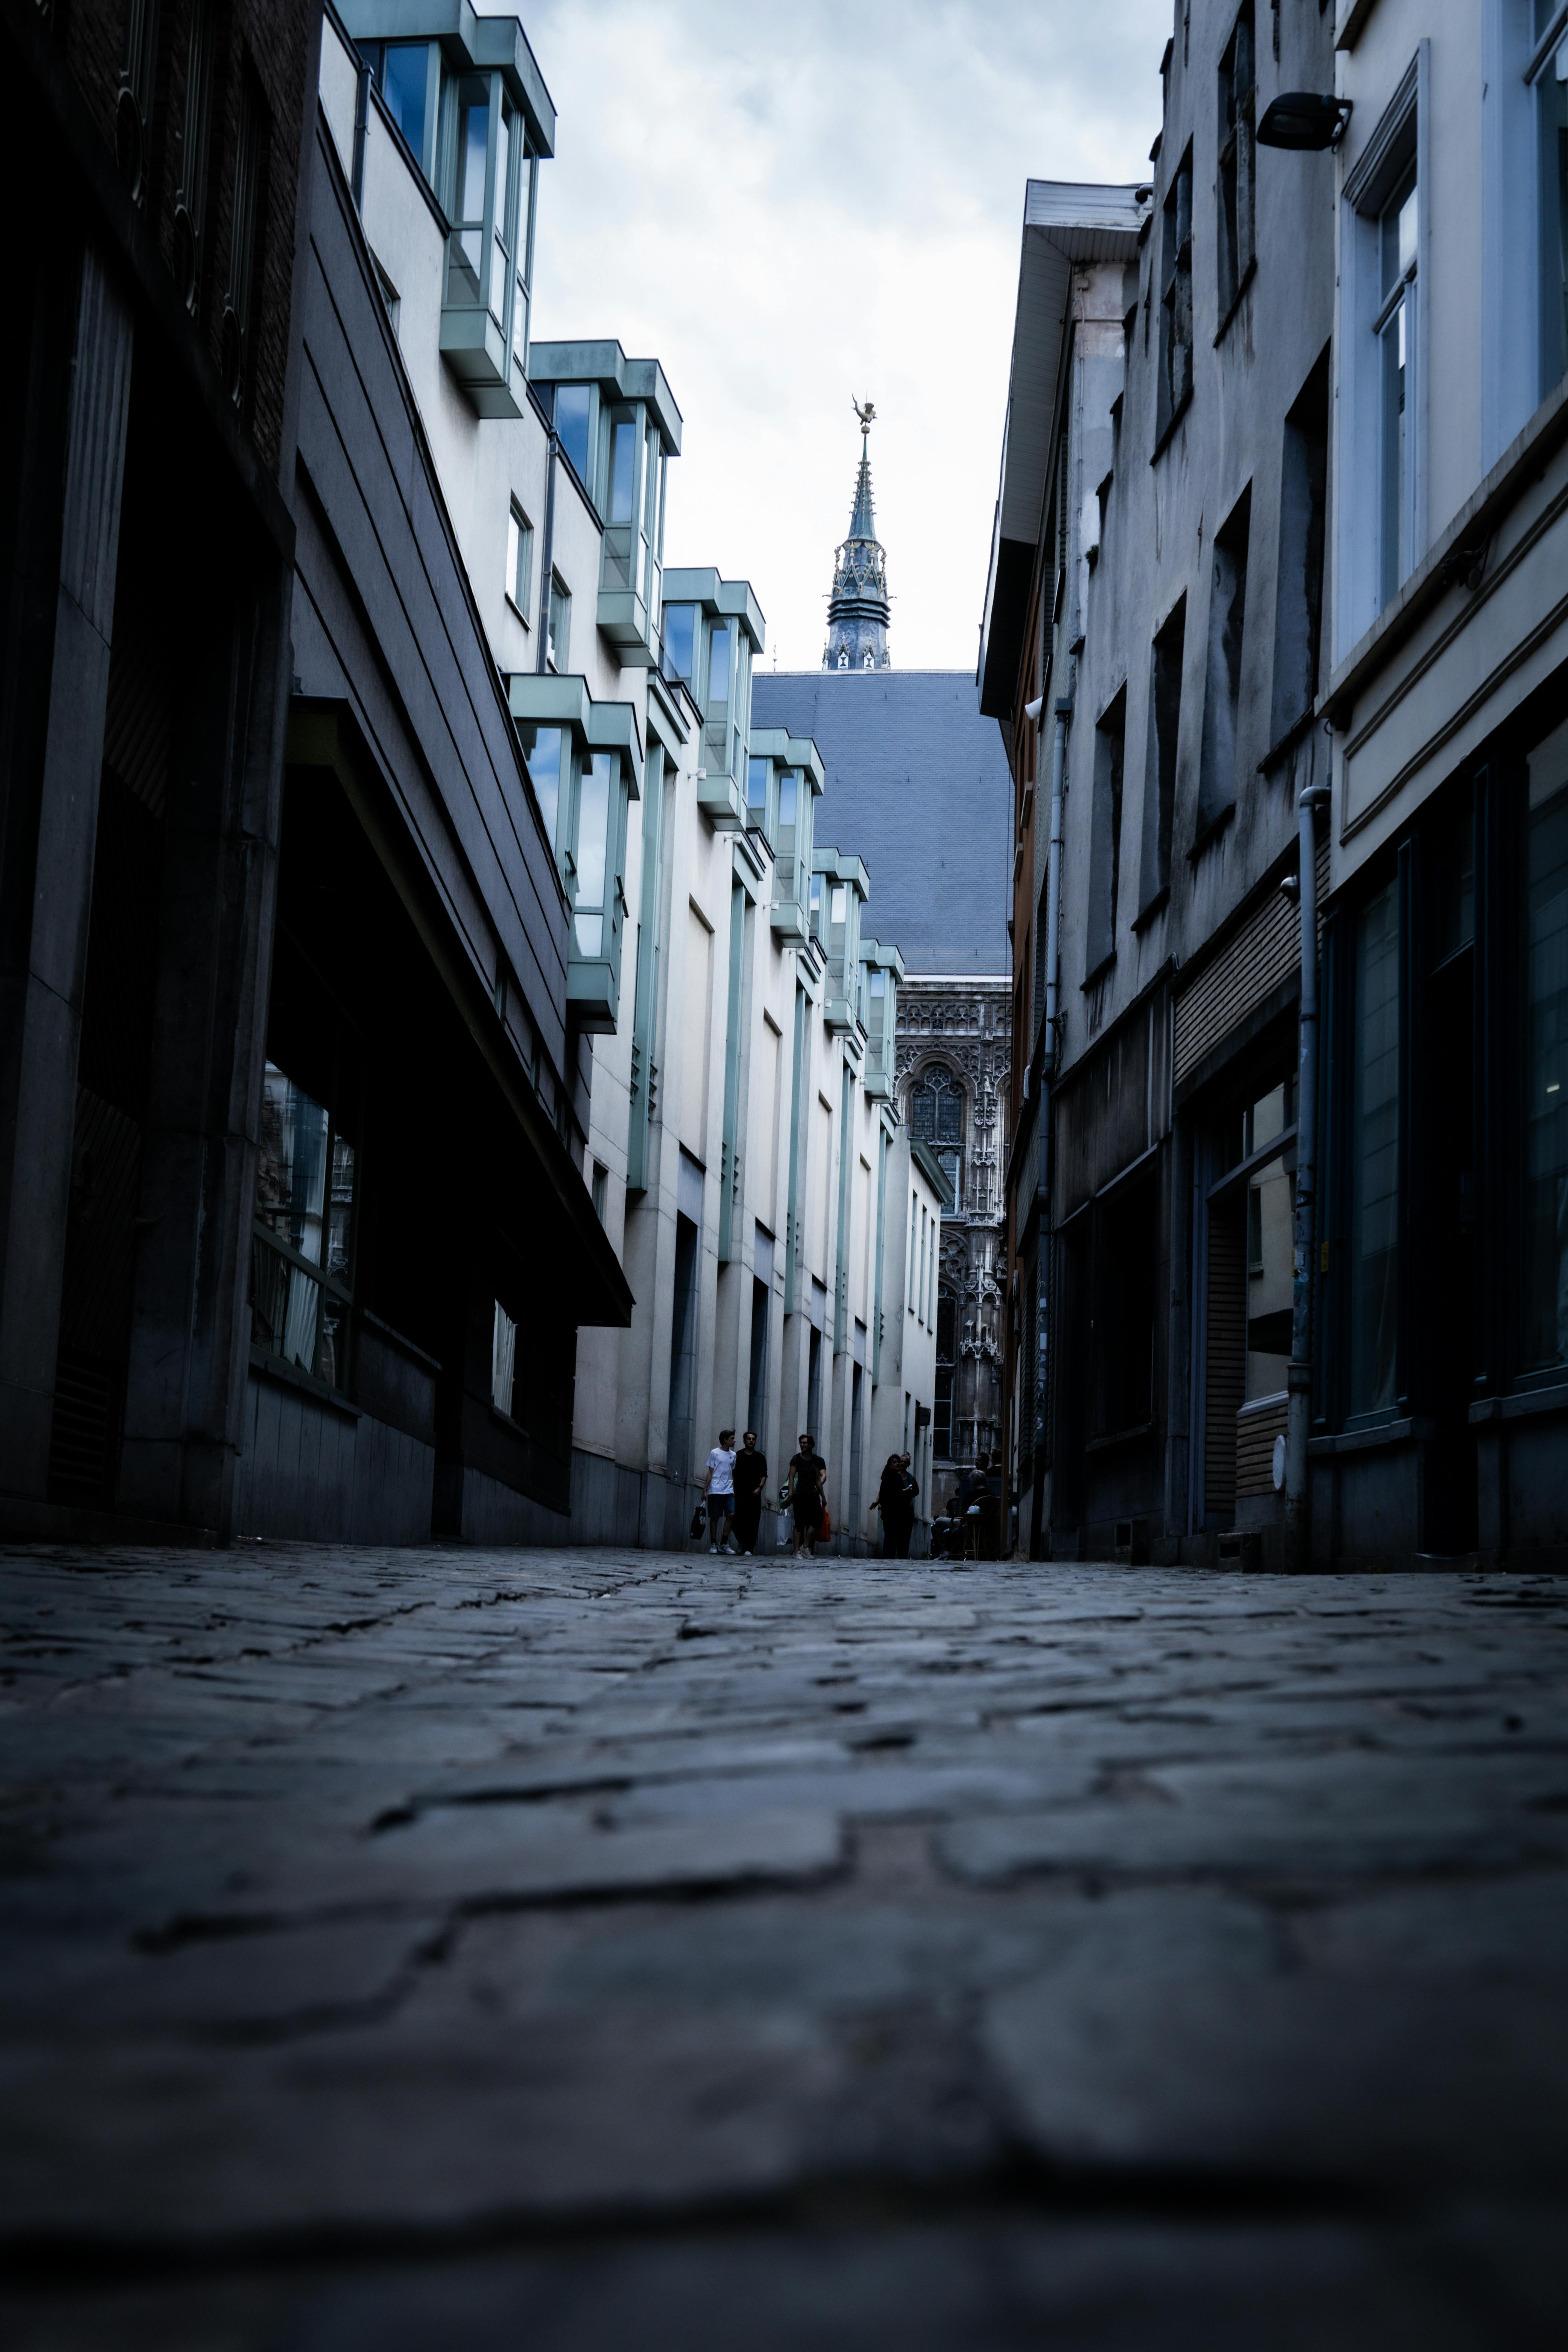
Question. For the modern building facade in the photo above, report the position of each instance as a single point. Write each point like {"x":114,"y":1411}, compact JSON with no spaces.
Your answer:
{"x":708,"y":1005}
{"x":146,"y":549}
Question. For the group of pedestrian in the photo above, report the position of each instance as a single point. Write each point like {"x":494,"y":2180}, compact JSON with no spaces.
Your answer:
{"x":732,"y":1485}
{"x":734,"y":1482}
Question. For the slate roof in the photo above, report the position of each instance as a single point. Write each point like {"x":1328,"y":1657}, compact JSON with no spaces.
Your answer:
{"x":918,"y":785}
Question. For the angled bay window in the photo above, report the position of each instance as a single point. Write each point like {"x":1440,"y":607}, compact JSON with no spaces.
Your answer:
{"x":468,"y":98}
{"x":618,"y":423}
{"x":584,"y":759}
{"x":845,"y":889}
{"x":883,"y":968}
{"x":784,"y":778}
{"x":713,"y":631}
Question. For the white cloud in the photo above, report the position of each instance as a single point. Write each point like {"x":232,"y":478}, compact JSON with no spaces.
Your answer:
{"x":788,"y":205}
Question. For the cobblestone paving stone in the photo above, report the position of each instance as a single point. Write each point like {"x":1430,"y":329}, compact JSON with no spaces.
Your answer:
{"x":582,"y":1949}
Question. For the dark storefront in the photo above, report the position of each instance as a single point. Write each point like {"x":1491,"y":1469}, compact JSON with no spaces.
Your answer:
{"x":1441,"y":1406}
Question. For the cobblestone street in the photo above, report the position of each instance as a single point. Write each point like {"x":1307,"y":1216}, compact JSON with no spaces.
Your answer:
{"x":579,"y":1951}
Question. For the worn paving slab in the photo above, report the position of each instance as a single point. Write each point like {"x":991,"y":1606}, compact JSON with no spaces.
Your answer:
{"x":403,"y":1948}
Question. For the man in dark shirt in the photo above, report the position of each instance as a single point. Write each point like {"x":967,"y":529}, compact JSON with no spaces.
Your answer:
{"x":807,"y":1474}
{"x":751,"y":1477}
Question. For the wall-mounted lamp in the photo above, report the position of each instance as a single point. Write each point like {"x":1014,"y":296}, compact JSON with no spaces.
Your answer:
{"x":1304,"y":119}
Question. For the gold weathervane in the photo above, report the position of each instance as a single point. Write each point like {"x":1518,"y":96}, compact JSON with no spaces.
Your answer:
{"x":867,"y":414}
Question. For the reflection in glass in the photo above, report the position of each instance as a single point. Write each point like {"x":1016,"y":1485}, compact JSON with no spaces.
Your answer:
{"x":405,"y":76}
{"x":719,"y":667}
{"x":679,"y":638}
{"x":622,"y":468}
{"x":472,"y":141}
{"x":504,"y":1359}
{"x":1270,"y":1211}
{"x":571,"y":410}
{"x":1544,"y":1299}
{"x":291,"y":1173}
{"x":1375,"y":1161}
{"x":302,"y":1222}
{"x":757,"y":789}
{"x":594,"y":828}
{"x":542,"y":748}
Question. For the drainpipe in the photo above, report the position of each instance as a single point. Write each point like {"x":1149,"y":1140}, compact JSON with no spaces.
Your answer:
{"x":362,"y":126}
{"x":547,"y":553}
{"x":1298,"y":1406}
{"x":1054,"y":884}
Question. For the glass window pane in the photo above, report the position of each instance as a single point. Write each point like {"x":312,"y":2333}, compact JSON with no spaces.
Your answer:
{"x":1271,"y":1237}
{"x":291,"y":1175}
{"x":679,"y":637}
{"x":504,"y":1359}
{"x":1544,"y":1302}
{"x":572,"y":404}
{"x":473,"y":142}
{"x":404,"y":76}
{"x":757,"y":786}
{"x":542,"y":748}
{"x":594,"y":828}
{"x":513,"y":554}
{"x":719,"y":667}
{"x":789,"y":792}
{"x":622,"y":468}
{"x":1374,"y":1156}
{"x":879,"y":980}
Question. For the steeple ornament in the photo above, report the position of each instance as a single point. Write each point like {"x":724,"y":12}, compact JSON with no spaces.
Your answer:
{"x":857,"y":608}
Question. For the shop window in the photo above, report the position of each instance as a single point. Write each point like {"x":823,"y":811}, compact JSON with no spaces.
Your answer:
{"x":1374,"y":1156}
{"x":1544,"y":1288}
{"x":301,"y":1252}
{"x":1125,"y":1266}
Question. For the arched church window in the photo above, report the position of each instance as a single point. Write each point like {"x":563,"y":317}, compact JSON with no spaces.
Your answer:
{"x":936,"y":1117}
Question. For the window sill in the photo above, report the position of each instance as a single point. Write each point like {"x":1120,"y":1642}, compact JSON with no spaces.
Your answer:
{"x":1163,"y":443}
{"x":1522,"y":1405}
{"x":1280,"y":751}
{"x":1093,"y":979}
{"x":1210,"y":832}
{"x":1236,"y":299}
{"x":1128,"y":1436}
{"x":1157,"y":905}
{"x":290,"y":1376}
{"x":1381,"y":1436}
{"x":515,"y":609}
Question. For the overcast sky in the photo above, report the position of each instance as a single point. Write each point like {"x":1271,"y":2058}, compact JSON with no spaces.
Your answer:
{"x":792,"y":203}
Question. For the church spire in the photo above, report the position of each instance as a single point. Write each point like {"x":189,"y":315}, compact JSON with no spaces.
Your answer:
{"x":857,"y":608}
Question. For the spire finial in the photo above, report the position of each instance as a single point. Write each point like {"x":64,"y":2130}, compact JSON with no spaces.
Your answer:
{"x":867,"y":414}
